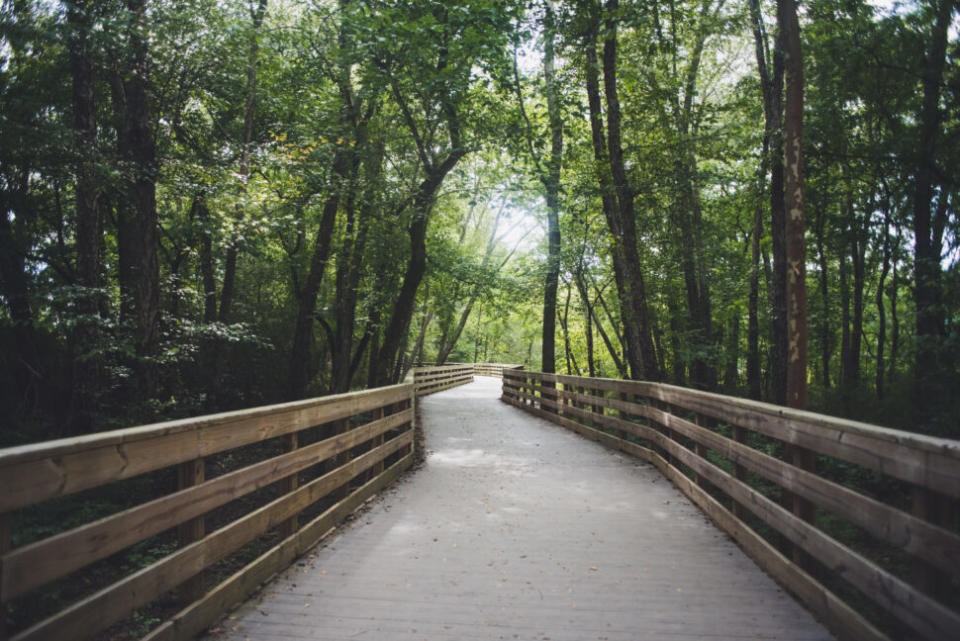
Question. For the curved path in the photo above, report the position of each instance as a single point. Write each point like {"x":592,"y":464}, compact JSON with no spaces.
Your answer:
{"x":517,"y":529}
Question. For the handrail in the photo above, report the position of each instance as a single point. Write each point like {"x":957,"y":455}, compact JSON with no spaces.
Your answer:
{"x":320,"y":459}
{"x":716,"y":449}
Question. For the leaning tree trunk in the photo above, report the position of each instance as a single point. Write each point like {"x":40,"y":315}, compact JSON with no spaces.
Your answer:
{"x":416,"y":267}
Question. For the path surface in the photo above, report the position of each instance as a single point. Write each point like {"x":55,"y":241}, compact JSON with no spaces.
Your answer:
{"x":518,"y":529}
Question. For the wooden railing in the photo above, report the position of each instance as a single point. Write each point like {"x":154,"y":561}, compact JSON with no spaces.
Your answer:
{"x":245,"y":478}
{"x":736,"y":459}
{"x":493,"y":369}
{"x":435,"y":378}
{"x":479,"y":369}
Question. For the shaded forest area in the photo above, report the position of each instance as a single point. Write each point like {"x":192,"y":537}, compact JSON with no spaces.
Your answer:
{"x":209,"y":205}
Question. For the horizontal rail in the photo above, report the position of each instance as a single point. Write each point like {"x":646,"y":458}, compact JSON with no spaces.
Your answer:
{"x":709,"y":445}
{"x":427,"y":380}
{"x":273,"y":464}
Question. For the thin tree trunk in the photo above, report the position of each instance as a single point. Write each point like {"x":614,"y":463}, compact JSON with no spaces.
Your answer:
{"x":206,"y":259}
{"x":844,"y":323}
{"x":731,"y":374}
{"x":858,"y":249}
{"x":591,"y":310}
{"x":881,"y":309}
{"x":250,"y":109}
{"x":894,"y":315}
{"x":826,"y":346}
{"x":754,"y":382}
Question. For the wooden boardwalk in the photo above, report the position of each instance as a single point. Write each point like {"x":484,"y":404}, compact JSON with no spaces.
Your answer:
{"x":518,"y":529}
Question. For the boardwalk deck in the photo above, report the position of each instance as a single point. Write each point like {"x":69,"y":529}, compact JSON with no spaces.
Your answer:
{"x":516,"y":529}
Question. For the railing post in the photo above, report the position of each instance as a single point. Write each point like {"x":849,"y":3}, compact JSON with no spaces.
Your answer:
{"x":339,"y":427}
{"x":4,"y":548}
{"x":803,"y":459}
{"x":378,"y":413}
{"x":698,"y":448}
{"x":739,"y":471}
{"x":934,"y":508}
{"x":189,"y":474}
{"x":289,"y":484}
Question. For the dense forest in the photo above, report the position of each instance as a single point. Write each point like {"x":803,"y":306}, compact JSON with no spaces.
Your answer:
{"x":214,"y":204}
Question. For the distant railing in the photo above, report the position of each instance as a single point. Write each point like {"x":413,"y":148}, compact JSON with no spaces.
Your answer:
{"x":493,"y":369}
{"x":430,"y":379}
{"x":746,"y":463}
{"x":478,"y":369}
{"x":242,"y":475}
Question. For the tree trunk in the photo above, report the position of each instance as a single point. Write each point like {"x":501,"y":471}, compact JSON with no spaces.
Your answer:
{"x":86,"y":367}
{"x":551,"y":184}
{"x":754,"y":382}
{"x":926,"y":264}
{"x":731,"y":373}
{"x":139,"y":226}
{"x":206,"y":259}
{"x":299,"y":369}
{"x":858,"y":251}
{"x":844,"y":323}
{"x":881,"y":309}
{"x":617,"y":201}
{"x":416,"y":267}
{"x":591,"y":310}
{"x":894,"y":315}
{"x":772,"y":87}
{"x":250,"y":110}
{"x":826,"y":346}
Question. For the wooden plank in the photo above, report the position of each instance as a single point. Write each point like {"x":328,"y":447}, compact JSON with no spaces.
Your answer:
{"x":107,"y":606}
{"x":196,"y":618}
{"x":190,"y":474}
{"x":33,"y":565}
{"x":32,"y":473}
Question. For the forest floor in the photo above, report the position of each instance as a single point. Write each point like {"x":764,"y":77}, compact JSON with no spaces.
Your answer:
{"x":516,"y":529}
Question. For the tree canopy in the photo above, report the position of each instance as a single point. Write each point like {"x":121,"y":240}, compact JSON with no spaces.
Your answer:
{"x":211,"y":204}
